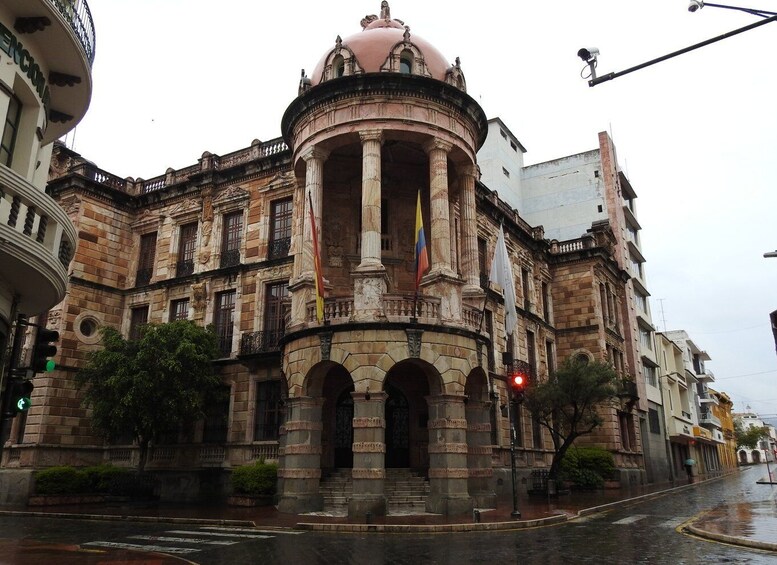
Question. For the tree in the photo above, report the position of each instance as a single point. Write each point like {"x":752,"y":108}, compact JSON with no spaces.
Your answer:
{"x":749,"y":436}
{"x":148,"y":386}
{"x":567,"y":403}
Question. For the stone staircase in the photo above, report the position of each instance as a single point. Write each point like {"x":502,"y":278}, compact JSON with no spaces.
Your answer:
{"x":406,"y":490}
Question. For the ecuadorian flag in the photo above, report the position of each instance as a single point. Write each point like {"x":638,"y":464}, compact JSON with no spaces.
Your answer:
{"x":421,"y":255}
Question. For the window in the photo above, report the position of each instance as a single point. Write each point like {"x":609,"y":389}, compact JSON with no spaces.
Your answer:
{"x":138,"y":319}
{"x":651,"y":375}
{"x":406,"y":63}
{"x":642,"y":302}
{"x":645,"y":339}
{"x":186,"y":249}
{"x":503,"y":134}
{"x":536,"y":433}
{"x":275,"y":306}
{"x":231,"y":235}
{"x":628,"y":437}
{"x":10,"y":130}
{"x":179,"y":309}
{"x":269,"y":411}
{"x":551,"y":357}
{"x":526,"y":289}
{"x":653,"y":421}
{"x":505,"y":172}
{"x":545,"y":302}
{"x":531,"y":353}
{"x":482,"y":254}
{"x":224,"y":320}
{"x":146,"y":259}
{"x":280,"y":228}
{"x":216,"y":415}
{"x":513,"y":146}
{"x":338,"y":67}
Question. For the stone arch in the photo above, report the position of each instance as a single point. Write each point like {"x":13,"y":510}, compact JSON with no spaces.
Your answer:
{"x":481,"y":418}
{"x":406,"y":50}
{"x":756,"y":456}
{"x":742,"y":457}
{"x":340,"y":62}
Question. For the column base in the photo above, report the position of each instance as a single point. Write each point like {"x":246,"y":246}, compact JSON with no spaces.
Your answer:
{"x":359,"y":505}
{"x":449,"y":505}
{"x":301,"y":503}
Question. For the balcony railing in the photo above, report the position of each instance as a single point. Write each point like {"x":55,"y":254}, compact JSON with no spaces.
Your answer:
{"x":143,"y":276}
{"x":78,"y":15}
{"x":279,"y":248}
{"x":230,"y":258}
{"x":184,"y":268}
{"x":260,"y":342}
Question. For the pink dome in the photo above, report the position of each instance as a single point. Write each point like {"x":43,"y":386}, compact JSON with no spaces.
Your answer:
{"x":373,"y":45}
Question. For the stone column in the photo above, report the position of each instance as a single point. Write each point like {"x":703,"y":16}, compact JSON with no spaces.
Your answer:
{"x":469,"y":233}
{"x":479,"y":454}
{"x":448,"y":473}
{"x":300,"y":473}
{"x":437,"y":150}
{"x":369,"y":455}
{"x":303,"y":288}
{"x":371,"y":191}
{"x":369,"y":278}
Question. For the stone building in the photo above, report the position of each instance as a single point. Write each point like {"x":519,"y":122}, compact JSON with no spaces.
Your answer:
{"x":46,"y":51}
{"x":394,"y":382}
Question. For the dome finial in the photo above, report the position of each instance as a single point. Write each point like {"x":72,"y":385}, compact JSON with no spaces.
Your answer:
{"x":385,"y":11}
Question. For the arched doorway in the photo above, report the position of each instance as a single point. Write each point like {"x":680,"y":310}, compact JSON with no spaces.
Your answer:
{"x":343,"y":436}
{"x":756,"y":456}
{"x":743,"y":457}
{"x":397,"y":428}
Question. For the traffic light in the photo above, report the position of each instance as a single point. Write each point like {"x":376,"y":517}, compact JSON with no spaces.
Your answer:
{"x":21,"y":391}
{"x":518,"y":382}
{"x":43,"y":349}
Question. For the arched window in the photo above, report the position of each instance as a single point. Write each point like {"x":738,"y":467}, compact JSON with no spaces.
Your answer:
{"x":406,"y":63}
{"x":338,"y":67}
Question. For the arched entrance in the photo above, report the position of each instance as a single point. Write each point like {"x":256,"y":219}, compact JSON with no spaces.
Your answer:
{"x":743,"y":457}
{"x":407,"y":436}
{"x":756,"y":456}
{"x":397,"y":428}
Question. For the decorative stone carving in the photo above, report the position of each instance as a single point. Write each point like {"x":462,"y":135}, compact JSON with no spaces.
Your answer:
{"x":326,"y":345}
{"x":299,"y":473}
{"x":414,"y":342}
{"x":233,"y":196}
{"x":199,"y":296}
{"x":448,"y":424}
{"x":438,"y":473}
{"x":368,"y":423}
{"x":300,"y":449}
{"x":448,"y":448}
{"x":186,"y":207}
{"x":369,"y":447}
{"x":481,"y":473}
{"x":368,"y":473}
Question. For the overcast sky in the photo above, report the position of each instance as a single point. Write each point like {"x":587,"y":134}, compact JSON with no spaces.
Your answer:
{"x":696,"y":135}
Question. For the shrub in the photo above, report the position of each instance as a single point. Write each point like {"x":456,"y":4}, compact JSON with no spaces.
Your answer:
{"x":588,"y":467}
{"x":61,"y":480}
{"x":106,"y":478}
{"x":257,"y":479}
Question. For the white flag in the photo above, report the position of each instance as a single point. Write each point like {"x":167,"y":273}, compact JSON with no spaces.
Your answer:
{"x":502,"y":274}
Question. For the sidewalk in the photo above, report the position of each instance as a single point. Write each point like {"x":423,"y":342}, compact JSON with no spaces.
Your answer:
{"x":751,"y":524}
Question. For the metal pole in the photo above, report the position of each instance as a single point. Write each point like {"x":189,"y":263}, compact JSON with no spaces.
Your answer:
{"x":515,"y":513}
{"x":610,"y":76}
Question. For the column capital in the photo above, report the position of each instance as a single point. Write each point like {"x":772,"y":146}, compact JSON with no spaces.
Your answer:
{"x":436,"y":143}
{"x":469,"y":170}
{"x":371,"y":135}
{"x":314,"y":152}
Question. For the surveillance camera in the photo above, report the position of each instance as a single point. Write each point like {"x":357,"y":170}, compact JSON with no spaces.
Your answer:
{"x":695,"y":5}
{"x":588,"y":54}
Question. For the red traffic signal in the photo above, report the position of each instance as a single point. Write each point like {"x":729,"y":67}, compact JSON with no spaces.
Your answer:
{"x":518,"y":383}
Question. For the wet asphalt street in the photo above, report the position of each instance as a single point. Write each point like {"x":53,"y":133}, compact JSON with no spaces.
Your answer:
{"x":638,"y":533}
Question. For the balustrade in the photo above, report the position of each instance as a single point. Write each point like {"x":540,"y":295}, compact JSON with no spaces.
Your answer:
{"x":79,"y":17}
{"x":260,"y":342}
{"x":229,"y":258}
{"x":279,"y":248}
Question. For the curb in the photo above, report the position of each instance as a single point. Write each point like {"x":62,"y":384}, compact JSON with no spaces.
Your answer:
{"x":733,"y":540}
{"x":431,"y":528}
{"x":130,"y":518}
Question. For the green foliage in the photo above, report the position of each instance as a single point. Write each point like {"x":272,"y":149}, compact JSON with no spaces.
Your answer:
{"x":152,"y":384}
{"x":61,"y":480}
{"x":99,"y":479}
{"x":749,"y":436}
{"x":257,"y":479}
{"x":588,"y":467}
{"x":567,"y":403}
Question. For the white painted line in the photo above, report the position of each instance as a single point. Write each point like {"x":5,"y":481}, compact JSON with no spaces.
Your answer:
{"x":221,"y":534}
{"x":138,"y":547}
{"x":674,"y":522}
{"x":184,"y":540}
{"x":631,"y":519}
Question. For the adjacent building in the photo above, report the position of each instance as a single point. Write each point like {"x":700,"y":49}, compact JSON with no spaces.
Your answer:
{"x":46,"y":56}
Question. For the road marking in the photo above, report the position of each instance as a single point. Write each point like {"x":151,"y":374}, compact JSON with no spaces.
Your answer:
{"x":673,"y":522}
{"x":138,"y":547}
{"x":631,"y":519}
{"x":220,"y":534}
{"x":252,"y":530}
{"x":185,"y":540}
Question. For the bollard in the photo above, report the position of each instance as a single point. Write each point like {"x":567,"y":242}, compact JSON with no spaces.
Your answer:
{"x":476,"y":516}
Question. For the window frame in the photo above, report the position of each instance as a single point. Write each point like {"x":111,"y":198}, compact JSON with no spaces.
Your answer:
{"x":12,"y":124}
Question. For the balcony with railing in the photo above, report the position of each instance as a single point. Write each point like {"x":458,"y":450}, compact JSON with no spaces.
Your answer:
{"x":255,"y":343}
{"x":78,"y":16}
{"x":184,"y":268}
{"x":707,"y":418}
{"x":143,"y":276}
{"x":229,"y":258}
{"x":278,"y":248}
{"x":37,"y":243}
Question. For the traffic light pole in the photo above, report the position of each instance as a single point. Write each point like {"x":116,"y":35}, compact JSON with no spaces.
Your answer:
{"x":515,"y":513}
{"x":7,"y":412}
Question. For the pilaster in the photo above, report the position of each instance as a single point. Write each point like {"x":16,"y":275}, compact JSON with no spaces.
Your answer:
{"x":369,"y":455}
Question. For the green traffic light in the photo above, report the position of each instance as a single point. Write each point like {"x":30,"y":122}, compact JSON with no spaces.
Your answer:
{"x":23,"y":404}
{"x":50,"y":365}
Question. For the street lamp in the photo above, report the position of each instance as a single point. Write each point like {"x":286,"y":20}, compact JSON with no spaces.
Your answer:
{"x":695,"y":5}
